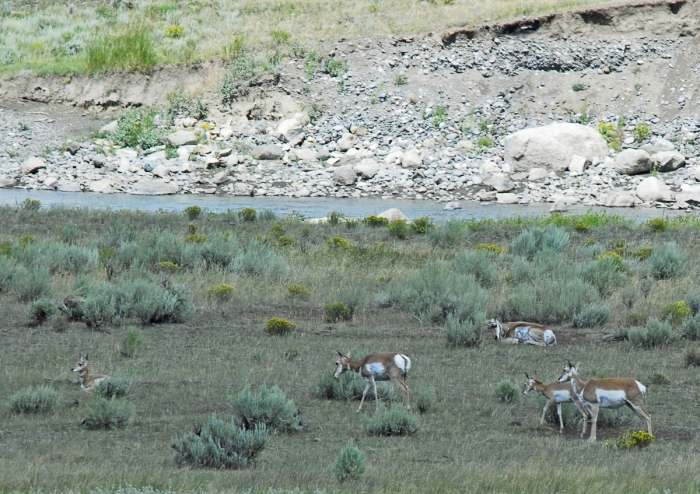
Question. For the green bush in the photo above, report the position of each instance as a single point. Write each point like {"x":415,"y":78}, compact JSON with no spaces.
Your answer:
{"x":152,"y":303}
{"x":592,"y":316}
{"x":505,"y":391}
{"x":298,"y":292}
{"x":424,"y":398}
{"x":659,"y":379}
{"x":99,"y":307}
{"x":421,"y":225}
{"x":375,"y":221}
{"x":108,"y":414}
{"x":692,"y":357}
{"x":335,"y":67}
{"x":239,"y":73}
{"x":7,"y":270}
{"x":629,"y":440}
{"x":136,"y":128}
{"x":658,"y":225}
{"x":42,"y":399}
{"x":221,"y":293}
{"x":127,"y":48}
{"x":665,"y":262}
{"x":32,"y":205}
{"x":350,"y":464}
{"x":349,"y":387}
{"x":656,"y":334}
{"x":193,"y":212}
{"x":605,"y":274}
{"x":479,"y":265}
{"x":267,"y":215}
{"x":528,"y":243}
{"x":279,"y":327}
{"x":70,"y":233}
{"x":248,"y":214}
{"x":675,"y":312}
{"x":179,"y":105}
{"x":396,"y":421}
{"x":448,"y":234}
{"x":268,"y":407}
{"x":336,"y":311}
{"x":28,"y":285}
{"x":690,"y":329}
{"x":334,"y":217}
{"x":115,"y":387}
{"x":398,"y":229}
{"x":464,"y":333}
{"x":338,"y":243}
{"x":218,"y":444}
{"x":41,"y":310}
{"x":131,"y":342}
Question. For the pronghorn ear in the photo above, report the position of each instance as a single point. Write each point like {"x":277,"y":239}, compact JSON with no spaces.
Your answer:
{"x":348,"y":355}
{"x":578,"y":364}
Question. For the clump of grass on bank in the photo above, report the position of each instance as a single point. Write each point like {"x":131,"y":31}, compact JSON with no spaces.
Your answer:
{"x":41,"y":399}
{"x":108,"y":413}
{"x":126,"y":48}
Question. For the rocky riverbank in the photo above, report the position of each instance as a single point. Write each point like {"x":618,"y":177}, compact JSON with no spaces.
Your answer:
{"x":513,"y":115}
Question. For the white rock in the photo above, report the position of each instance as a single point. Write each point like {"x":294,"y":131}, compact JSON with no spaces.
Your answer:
{"x":367,"y":168}
{"x":499,"y":181}
{"x":553,"y":146}
{"x":651,"y":189}
{"x":182,"y":138}
{"x":220,"y":177}
{"x":110,"y":127}
{"x":105,"y":186}
{"x":226,"y":132}
{"x":668,"y":161}
{"x":348,"y":141}
{"x":306,"y":154}
{"x":411,"y":159}
{"x":157,"y":156}
{"x":290,"y":131}
{"x":537,"y":174}
{"x":344,"y":175}
{"x":507,"y":198}
{"x":154,"y":188}
{"x":127,"y":153}
{"x":7,"y":182}
{"x":303,"y":192}
{"x":619,"y":200}
{"x":241,"y":189}
{"x":393,"y":214}
{"x":559,"y":207}
{"x":49,"y":183}
{"x":161,"y":171}
{"x":66,"y":185}
{"x":632,"y":162}
{"x":32,"y":165}
{"x":451,"y":206}
{"x":579,"y":163}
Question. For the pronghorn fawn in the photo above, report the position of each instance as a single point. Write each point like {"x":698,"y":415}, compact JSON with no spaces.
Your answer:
{"x":378,"y":366}
{"x":607,"y":393}
{"x":529,"y":333}
{"x":87,"y":380}
{"x":555,"y":392}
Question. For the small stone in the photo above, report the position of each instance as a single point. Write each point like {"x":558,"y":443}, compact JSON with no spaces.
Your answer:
{"x":181,"y":138}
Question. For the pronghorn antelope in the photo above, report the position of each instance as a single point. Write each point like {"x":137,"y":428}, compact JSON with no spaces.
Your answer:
{"x":555,"y":392}
{"x":607,"y":393}
{"x":87,"y":380}
{"x":529,"y":333}
{"x":378,"y":366}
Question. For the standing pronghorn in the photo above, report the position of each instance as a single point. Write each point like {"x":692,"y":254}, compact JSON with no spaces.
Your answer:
{"x":529,"y":333}
{"x":555,"y":392}
{"x":378,"y":366}
{"x":87,"y":380}
{"x":607,"y":393}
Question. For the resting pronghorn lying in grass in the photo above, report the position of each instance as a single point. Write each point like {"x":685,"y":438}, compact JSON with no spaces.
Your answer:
{"x":555,"y":392}
{"x":529,"y":333}
{"x":378,"y":366}
{"x":607,"y":393}
{"x":87,"y":380}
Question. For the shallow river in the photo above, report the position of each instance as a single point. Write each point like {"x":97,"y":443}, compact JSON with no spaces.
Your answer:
{"x":309,"y":207}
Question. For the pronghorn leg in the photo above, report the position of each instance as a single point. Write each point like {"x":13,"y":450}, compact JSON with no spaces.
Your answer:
{"x":364,"y":393}
{"x":544,"y":410}
{"x":642,"y":414}
{"x":561,"y":421}
{"x":405,"y":390}
{"x":594,"y":420}
{"x":374,"y":385}
{"x":536,"y":343}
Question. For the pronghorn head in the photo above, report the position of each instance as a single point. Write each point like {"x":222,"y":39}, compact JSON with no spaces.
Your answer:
{"x":341,"y":364}
{"x":569,"y":372}
{"x":495,"y":324}
{"x":529,"y":384}
{"x":81,"y":365}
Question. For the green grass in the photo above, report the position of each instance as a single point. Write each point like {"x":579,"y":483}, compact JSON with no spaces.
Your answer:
{"x":468,"y":440}
{"x":55,"y":37}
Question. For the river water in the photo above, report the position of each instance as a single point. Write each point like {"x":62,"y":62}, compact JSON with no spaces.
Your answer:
{"x":309,"y":207}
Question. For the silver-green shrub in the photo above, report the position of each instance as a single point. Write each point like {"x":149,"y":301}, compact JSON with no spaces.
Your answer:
{"x":606,"y":275}
{"x":108,"y":414}
{"x":31,"y":284}
{"x":665,"y":262}
{"x":505,"y":391}
{"x":464,"y":333}
{"x":348,"y":387}
{"x":690,"y":329}
{"x":592,"y":316}
{"x":40,"y":399}
{"x":396,"y":421}
{"x":268,"y":407}
{"x":656,"y":334}
{"x":115,"y":387}
{"x":478,"y":264}
{"x":423,"y":398}
{"x":99,"y":306}
{"x":528,"y":243}
{"x":41,"y":310}
{"x":350,"y":464}
{"x":218,"y":444}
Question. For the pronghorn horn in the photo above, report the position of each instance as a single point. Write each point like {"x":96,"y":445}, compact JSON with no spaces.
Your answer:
{"x":527,"y":376}
{"x":339,"y":353}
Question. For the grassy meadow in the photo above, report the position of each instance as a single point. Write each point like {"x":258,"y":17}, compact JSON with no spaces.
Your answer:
{"x":48,"y":37}
{"x":175,"y":306}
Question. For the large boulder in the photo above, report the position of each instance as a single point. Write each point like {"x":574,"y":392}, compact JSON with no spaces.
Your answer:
{"x":651,"y":189}
{"x":6,"y":182}
{"x":267,"y":152}
{"x":367,"y":168}
{"x":344,"y":175}
{"x":632,"y":162}
{"x":348,"y":141}
{"x":668,"y":161}
{"x":499,"y":181}
{"x":619,"y":200}
{"x":32,"y":165}
{"x":393,"y":214}
{"x":181,"y":138}
{"x":290,"y":131}
{"x":552,"y":146}
{"x":411,"y":159}
{"x":154,"y":188}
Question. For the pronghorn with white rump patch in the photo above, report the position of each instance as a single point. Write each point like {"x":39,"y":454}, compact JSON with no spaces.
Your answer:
{"x":87,"y":380}
{"x":529,"y":333}
{"x":555,"y":392}
{"x":607,"y":393}
{"x":378,"y":366}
